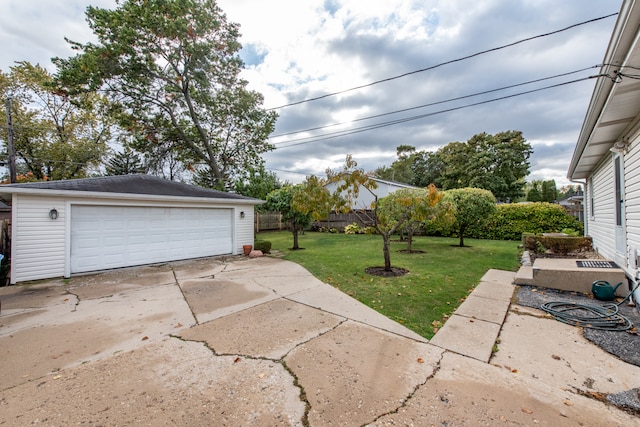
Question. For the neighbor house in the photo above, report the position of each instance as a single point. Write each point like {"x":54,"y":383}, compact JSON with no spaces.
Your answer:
{"x":60,"y":228}
{"x":606,"y":159}
{"x":366,"y":197}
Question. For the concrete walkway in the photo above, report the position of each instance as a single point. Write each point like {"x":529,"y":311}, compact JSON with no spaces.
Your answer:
{"x":242,"y":342}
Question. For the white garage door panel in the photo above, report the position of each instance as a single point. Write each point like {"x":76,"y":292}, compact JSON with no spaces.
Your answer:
{"x":104,"y":237}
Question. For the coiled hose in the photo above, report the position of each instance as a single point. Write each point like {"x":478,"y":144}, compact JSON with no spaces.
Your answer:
{"x":603,"y":317}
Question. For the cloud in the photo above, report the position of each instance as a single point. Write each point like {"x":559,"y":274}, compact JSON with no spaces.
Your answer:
{"x":295,"y":50}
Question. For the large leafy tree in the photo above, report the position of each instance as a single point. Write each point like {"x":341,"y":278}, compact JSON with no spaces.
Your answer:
{"x":400,"y":170}
{"x":498,"y":163}
{"x":56,"y":136}
{"x":258,"y":184}
{"x":471,"y":206}
{"x":171,"y":69}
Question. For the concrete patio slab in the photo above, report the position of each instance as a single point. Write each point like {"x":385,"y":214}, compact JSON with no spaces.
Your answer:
{"x":213,"y":298}
{"x":469,"y":337}
{"x":481,"y":308}
{"x":499,"y":276}
{"x":277,"y":347}
{"x":326,"y":297}
{"x":495,"y":290}
{"x":270,"y":330}
{"x":356,"y":373}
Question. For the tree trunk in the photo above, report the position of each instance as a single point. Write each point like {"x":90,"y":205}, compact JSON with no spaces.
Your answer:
{"x":409,"y":239}
{"x":385,"y":248}
{"x":295,"y":237}
{"x":462,"y":229}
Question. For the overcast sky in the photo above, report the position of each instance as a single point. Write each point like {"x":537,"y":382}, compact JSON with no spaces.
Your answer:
{"x":296,"y":50}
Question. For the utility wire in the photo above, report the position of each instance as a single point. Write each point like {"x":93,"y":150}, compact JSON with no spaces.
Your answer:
{"x":338,"y":134}
{"x":431,"y":104}
{"x":452,"y":61}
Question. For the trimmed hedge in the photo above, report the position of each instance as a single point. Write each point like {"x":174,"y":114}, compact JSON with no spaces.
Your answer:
{"x":510,"y":221}
{"x":538,"y":243}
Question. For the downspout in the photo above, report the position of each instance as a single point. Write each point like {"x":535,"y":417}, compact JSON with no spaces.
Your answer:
{"x":584,"y":197}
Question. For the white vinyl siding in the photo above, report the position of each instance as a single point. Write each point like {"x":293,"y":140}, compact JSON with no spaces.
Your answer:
{"x":632,"y":198}
{"x":38,"y":242}
{"x":244,"y":227}
{"x":602,"y":224}
{"x":41,"y":247}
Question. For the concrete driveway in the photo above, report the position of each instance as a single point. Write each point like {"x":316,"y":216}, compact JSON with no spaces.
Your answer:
{"x":242,"y":342}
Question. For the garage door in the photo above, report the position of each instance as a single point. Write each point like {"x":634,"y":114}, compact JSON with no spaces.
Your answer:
{"x":104,"y":237}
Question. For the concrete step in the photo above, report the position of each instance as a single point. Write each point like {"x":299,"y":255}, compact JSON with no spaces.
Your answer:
{"x":564,"y":274}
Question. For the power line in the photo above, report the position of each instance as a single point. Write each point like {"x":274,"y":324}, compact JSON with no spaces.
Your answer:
{"x":431,"y":104}
{"x":445,"y":63}
{"x":421,"y":116}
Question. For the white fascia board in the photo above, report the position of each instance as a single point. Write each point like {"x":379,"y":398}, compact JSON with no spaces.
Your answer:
{"x":126,"y":196}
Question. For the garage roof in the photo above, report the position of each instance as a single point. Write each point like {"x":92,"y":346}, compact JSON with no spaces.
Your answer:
{"x":140,"y":184}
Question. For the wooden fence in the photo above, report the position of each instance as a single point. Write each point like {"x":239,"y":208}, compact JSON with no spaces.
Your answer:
{"x":273,"y":221}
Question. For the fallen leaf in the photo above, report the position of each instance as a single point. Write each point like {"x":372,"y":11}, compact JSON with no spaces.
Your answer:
{"x":236,"y":360}
{"x":515,"y":371}
{"x":179,"y":325}
{"x":145,"y":338}
{"x":57,"y":377}
{"x":556,"y":357}
{"x":420,"y":360}
{"x":66,"y":299}
{"x":567,"y":402}
{"x":471,"y":320}
{"x":261,"y":376}
{"x":527,"y":411}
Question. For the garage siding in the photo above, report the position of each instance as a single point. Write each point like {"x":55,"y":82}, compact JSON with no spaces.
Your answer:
{"x":42,"y":247}
{"x":244,"y":227}
{"x":38,"y":241}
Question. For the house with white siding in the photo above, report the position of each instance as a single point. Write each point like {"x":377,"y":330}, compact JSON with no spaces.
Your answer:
{"x":606,"y":159}
{"x":61,"y":228}
{"x":367,"y":197}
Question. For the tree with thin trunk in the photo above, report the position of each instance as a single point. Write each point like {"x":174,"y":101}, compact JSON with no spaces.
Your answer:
{"x":471,"y":206}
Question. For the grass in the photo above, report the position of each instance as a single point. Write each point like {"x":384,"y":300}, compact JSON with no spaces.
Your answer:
{"x":439,"y":279}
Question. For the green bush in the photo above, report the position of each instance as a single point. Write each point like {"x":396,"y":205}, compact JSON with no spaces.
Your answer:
{"x":557,"y":244}
{"x":262,"y":245}
{"x":510,"y":221}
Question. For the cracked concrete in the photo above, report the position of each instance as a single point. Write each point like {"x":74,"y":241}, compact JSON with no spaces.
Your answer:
{"x":237,"y":341}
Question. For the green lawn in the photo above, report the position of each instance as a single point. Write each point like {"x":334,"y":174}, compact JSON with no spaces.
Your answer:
{"x":440,"y":278}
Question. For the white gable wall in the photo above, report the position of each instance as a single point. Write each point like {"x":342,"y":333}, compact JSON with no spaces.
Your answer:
{"x":366,"y":198}
{"x":40,"y":245}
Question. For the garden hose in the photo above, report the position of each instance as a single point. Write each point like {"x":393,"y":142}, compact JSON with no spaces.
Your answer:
{"x":603,"y":317}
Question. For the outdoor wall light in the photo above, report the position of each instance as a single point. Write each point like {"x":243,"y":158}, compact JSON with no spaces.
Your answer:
{"x":620,"y":146}
{"x":242,"y":214}
{"x":53,"y":213}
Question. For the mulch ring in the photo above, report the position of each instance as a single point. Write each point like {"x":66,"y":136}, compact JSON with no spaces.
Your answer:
{"x":381,"y":272}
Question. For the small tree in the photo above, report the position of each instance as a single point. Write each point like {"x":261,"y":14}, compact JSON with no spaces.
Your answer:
{"x":125,"y":162}
{"x":389,"y":216}
{"x":419,"y":205}
{"x":470,"y":206}
{"x":299,"y":204}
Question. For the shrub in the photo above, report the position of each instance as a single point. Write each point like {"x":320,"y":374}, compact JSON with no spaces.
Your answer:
{"x":353,"y":228}
{"x":262,"y":245}
{"x":510,"y":221}
{"x":557,"y":244}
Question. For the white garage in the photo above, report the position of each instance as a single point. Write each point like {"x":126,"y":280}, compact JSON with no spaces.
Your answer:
{"x":60,"y":228}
